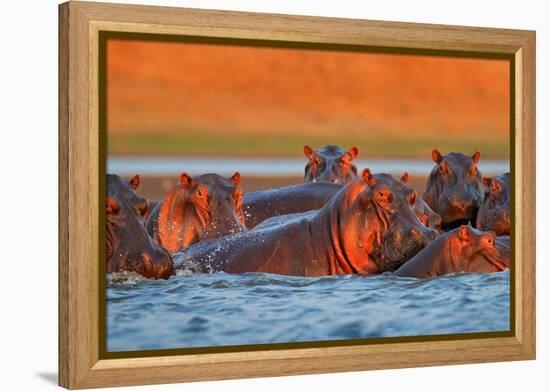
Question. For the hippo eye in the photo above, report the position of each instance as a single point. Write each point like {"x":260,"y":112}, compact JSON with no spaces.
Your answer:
{"x":385,"y":196}
{"x":201,"y":192}
{"x":490,"y":241}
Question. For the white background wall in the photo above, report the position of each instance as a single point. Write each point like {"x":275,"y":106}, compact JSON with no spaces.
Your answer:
{"x":28,"y":183}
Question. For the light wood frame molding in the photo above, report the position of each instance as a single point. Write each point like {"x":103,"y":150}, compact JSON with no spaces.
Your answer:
{"x":80,"y":364}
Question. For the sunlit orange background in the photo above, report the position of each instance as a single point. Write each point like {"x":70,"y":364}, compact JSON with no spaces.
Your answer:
{"x":167,"y":97}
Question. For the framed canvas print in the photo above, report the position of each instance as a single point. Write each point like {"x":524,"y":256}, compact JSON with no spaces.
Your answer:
{"x":247,"y":195}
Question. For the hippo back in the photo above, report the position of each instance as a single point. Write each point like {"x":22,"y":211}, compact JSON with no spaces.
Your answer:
{"x":264,"y":204}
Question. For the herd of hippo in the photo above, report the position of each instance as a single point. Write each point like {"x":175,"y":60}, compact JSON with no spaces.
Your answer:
{"x":338,"y":221}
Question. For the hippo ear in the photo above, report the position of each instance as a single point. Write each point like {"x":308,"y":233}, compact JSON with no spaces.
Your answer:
{"x":134,"y":182}
{"x":368,"y":177}
{"x":476,"y":156}
{"x":436,"y":156}
{"x":464,"y":233}
{"x":236,"y":178}
{"x":353,"y":152}
{"x":111,"y":206}
{"x":185,"y":179}
{"x":487,"y":181}
{"x":308,"y":151}
{"x":405,"y":177}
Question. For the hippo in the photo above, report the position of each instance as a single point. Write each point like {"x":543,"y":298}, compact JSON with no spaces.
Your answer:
{"x":330,"y":164}
{"x":494,"y":213}
{"x":264,"y":204}
{"x":199,"y":208}
{"x":463,"y":249}
{"x":120,"y":189}
{"x":424,"y":213}
{"x":129,"y":248}
{"x":428,"y":217}
{"x":455,"y":188}
{"x":356,"y":232}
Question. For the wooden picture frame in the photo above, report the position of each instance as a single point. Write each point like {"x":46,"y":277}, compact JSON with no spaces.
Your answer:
{"x":80,"y":165}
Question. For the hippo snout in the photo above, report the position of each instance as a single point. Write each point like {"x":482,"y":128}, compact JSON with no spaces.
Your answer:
{"x":159,"y":264}
{"x":460,"y":203}
{"x":423,"y":235}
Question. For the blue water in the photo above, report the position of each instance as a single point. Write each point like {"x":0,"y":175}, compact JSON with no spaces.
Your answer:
{"x":221,"y":309}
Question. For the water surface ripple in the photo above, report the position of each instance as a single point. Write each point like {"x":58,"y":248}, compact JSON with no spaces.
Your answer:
{"x":222,"y":309}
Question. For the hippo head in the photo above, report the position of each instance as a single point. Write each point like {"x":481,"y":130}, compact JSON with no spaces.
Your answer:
{"x":118,"y":188}
{"x":471,"y":250}
{"x":455,"y":188}
{"x":330,"y":164}
{"x":403,"y":234}
{"x":424,"y":213}
{"x":494,"y":214}
{"x":378,"y":229}
{"x":463,"y":249}
{"x":129,"y":247}
{"x":200,"y":208}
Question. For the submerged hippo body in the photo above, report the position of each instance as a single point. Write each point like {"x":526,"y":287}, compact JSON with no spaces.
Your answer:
{"x":199,"y":208}
{"x":264,"y":204}
{"x":129,"y":248}
{"x":330,"y":164}
{"x":455,"y":188}
{"x":463,"y":249}
{"x":494,"y":214}
{"x":120,"y":189}
{"x":354,"y":232}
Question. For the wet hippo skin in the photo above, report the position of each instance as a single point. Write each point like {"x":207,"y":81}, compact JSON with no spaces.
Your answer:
{"x":120,"y":189}
{"x":330,"y":164}
{"x":463,"y":249}
{"x":455,"y":188}
{"x":200,"y":208}
{"x":354,"y":232}
{"x":264,"y":204}
{"x":128,"y":247}
{"x":494,"y":214}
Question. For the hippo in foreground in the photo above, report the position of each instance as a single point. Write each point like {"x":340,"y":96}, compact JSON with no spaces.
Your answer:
{"x":264,"y":204}
{"x":366,"y":228}
{"x":128,"y":247}
{"x":455,"y":188}
{"x":120,"y":189}
{"x":463,"y":249}
{"x":330,"y":164}
{"x":494,"y":214}
{"x":200,"y":208}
